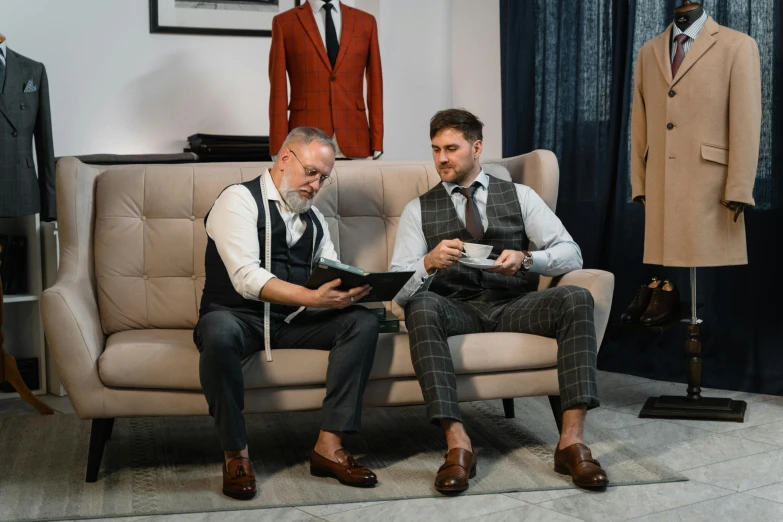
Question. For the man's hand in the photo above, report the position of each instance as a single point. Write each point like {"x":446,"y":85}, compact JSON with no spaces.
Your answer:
{"x":327,"y":296}
{"x":446,"y":254}
{"x":509,"y":263}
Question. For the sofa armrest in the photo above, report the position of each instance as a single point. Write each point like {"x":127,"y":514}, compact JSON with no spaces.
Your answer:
{"x":601,"y":285}
{"x":76,"y":340}
{"x":69,"y":309}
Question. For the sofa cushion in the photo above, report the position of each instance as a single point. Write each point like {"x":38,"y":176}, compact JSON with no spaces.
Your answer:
{"x":168,"y":359}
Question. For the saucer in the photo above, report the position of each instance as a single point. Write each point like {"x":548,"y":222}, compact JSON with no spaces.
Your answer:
{"x":481,"y":264}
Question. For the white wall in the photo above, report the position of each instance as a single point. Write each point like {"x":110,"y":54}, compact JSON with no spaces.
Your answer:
{"x":415,"y":40}
{"x":475,"y":71}
{"x":116,"y":88}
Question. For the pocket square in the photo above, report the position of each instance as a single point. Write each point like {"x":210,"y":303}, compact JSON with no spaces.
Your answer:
{"x":30,"y":86}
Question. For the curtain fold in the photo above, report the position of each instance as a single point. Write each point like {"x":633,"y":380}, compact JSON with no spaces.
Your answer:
{"x":567,"y":77}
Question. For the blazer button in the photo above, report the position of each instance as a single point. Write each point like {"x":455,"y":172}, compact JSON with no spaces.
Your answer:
{"x":334,"y":78}
{"x":672,"y":94}
{"x":670,"y":126}
{"x":22,"y":106}
{"x":14,"y":134}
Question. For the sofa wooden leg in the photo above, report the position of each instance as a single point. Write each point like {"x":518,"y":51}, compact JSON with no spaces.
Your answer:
{"x":554,"y":402}
{"x":508,"y":408}
{"x":109,"y":429}
{"x":99,"y":434}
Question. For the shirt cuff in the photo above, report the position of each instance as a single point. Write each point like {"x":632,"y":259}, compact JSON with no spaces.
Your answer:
{"x":540,"y":262}
{"x":420,"y":272}
{"x":255,"y":282}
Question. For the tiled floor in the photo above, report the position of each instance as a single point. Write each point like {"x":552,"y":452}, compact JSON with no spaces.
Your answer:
{"x":735,"y":471}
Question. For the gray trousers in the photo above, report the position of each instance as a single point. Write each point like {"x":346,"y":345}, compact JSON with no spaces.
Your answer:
{"x":226,"y":337}
{"x":565,"y":313}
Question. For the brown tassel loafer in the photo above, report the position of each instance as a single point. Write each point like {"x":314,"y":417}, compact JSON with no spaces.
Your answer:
{"x":453,"y":475}
{"x":239,"y":482}
{"x":346,"y":469}
{"x":577,"y":461}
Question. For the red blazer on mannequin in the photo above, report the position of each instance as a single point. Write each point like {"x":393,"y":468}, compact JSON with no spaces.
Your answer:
{"x":331,"y":100}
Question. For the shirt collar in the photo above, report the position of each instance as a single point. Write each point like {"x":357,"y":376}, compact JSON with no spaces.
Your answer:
{"x":482,"y":178}
{"x":694,"y":29}
{"x":272,"y":194}
{"x":4,"y":50}
{"x":318,"y":4}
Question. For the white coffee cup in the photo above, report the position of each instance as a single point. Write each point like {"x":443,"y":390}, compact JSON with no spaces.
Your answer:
{"x":477,"y":251}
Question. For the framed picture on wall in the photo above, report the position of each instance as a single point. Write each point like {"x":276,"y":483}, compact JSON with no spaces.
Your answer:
{"x":216,"y":17}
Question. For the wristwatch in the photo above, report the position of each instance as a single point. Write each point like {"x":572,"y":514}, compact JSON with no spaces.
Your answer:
{"x":527,"y":261}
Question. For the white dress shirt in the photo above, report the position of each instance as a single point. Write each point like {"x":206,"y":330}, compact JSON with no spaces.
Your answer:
{"x":320,"y":17}
{"x":3,"y":51}
{"x":233,"y":226}
{"x":554,"y":251}
{"x":692,"y":31}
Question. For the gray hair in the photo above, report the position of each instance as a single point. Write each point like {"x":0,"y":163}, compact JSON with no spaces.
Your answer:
{"x":307,"y":135}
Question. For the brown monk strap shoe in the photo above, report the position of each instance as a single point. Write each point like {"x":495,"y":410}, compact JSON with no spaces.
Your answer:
{"x":453,"y":475}
{"x":239,"y":482}
{"x":346,"y":469}
{"x":577,"y":461}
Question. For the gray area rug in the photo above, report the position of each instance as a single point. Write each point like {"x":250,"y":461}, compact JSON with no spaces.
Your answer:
{"x":173,"y":464}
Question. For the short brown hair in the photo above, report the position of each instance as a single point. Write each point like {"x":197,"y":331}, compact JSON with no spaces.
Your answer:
{"x":458,"y":119}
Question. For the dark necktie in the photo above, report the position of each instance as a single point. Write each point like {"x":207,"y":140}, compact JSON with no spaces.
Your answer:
{"x":472,"y":214}
{"x":2,"y":70}
{"x":332,"y":43}
{"x":679,"y":54}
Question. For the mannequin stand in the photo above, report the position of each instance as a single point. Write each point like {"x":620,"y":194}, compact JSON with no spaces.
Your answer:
{"x":10,"y":372}
{"x":693,"y":405}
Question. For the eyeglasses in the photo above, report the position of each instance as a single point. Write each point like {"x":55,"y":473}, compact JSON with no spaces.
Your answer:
{"x":312,"y":174}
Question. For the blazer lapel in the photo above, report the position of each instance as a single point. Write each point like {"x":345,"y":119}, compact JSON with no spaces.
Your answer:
{"x":663,"y":53}
{"x":13,"y":83}
{"x":348,"y":21}
{"x":306,"y":16}
{"x":701,"y":45}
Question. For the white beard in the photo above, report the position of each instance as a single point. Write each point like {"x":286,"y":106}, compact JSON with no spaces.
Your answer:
{"x":293,"y":198}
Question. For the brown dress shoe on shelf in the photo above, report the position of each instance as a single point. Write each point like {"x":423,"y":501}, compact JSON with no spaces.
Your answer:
{"x":346,"y":469}
{"x":640,"y":303}
{"x":665,"y":303}
{"x":453,"y":475}
{"x":577,"y":461}
{"x":239,"y":482}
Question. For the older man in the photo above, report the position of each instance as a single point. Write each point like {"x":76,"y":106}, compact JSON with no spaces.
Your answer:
{"x":275,"y":211}
{"x":446,"y":298}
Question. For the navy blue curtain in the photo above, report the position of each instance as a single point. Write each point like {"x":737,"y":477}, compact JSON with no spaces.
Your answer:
{"x":567,"y":82}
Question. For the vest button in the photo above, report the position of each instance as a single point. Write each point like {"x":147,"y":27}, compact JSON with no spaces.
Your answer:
{"x":670,"y":126}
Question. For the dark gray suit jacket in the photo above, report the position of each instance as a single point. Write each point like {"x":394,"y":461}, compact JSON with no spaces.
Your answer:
{"x":22,"y":116}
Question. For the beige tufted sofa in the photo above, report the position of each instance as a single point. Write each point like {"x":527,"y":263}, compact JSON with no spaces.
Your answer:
{"x":119,"y":319}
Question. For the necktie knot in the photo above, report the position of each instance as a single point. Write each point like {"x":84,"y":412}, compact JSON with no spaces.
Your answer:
{"x":681,"y":38}
{"x":327,"y":5}
{"x":468,"y":192}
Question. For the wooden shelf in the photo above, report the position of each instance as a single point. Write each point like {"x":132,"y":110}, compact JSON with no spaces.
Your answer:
{"x":19,"y":298}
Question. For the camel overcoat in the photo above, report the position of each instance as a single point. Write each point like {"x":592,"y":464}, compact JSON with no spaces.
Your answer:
{"x":694,"y":142}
